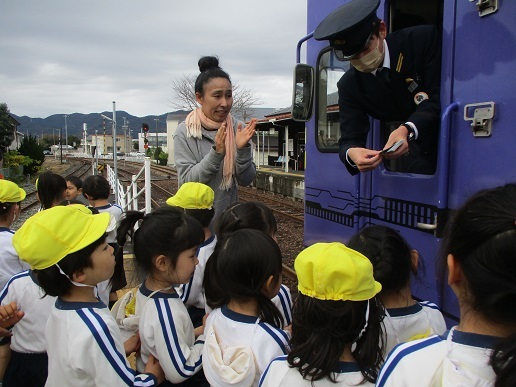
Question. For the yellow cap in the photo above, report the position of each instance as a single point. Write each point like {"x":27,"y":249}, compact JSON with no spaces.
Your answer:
{"x":10,"y":192}
{"x":50,"y":235}
{"x":332,"y":271}
{"x":193,"y":196}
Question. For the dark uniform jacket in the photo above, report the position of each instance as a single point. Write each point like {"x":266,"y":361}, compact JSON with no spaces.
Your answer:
{"x":414,"y":74}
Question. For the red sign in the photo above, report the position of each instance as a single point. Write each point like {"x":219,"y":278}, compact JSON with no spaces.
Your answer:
{"x":146,"y":146}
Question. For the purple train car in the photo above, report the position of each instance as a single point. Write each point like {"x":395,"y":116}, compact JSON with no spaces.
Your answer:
{"x":477,"y":138}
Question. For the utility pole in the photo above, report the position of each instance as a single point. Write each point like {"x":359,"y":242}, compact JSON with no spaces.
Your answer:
{"x":125,"y":134}
{"x":115,"y":167}
{"x":130,"y":141}
{"x":115,"y":151}
{"x":66,"y":131}
{"x":61,"y":143}
{"x":96,"y":152}
{"x":156,"y":152}
{"x":85,"y":129}
{"x":104,"y":150}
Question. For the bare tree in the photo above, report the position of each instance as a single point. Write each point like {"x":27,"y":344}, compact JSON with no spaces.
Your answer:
{"x":184,"y":97}
{"x":183,"y":93}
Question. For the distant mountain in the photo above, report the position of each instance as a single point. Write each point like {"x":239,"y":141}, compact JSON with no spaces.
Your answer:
{"x":94,"y":122}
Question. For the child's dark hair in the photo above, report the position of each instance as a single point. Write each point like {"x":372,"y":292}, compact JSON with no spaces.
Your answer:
{"x":75,"y":181}
{"x":203,"y":216}
{"x":96,"y":187}
{"x":322,"y":328}
{"x":54,"y":283}
{"x":51,"y":189}
{"x":209,"y":68}
{"x":254,"y":215}
{"x":165,"y":231}
{"x":5,"y":208}
{"x":482,"y":238}
{"x":238,"y":269}
{"x":389,"y":254}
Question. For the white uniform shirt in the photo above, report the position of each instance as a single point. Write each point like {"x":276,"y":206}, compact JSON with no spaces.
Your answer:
{"x":29,"y":332}
{"x":10,"y":264}
{"x":423,"y":319}
{"x":233,"y":335}
{"x":283,"y":301}
{"x":84,"y":348}
{"x":453,"y":359}
{"x":279,"y":373}
{"x":104,"y":287}
{"x":192,"y":293}
{"x":167,"y":333}
{"x":116,"y":211}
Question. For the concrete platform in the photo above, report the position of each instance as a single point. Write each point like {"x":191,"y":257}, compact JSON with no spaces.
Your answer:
{"x":275,"y":179}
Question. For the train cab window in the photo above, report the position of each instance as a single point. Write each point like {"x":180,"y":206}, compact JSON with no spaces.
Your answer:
{"x":329,"y":71}
{"x":403,"y":14}
{"x":408,"y":13}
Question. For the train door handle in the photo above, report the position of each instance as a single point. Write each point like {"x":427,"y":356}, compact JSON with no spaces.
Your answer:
{"x":427,"y":226}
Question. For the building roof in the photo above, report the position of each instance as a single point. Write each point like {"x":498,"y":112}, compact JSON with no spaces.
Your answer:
{"x":13,"y":121}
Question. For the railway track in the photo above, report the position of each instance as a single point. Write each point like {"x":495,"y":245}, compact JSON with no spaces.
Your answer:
{"x":280,"y":207}
{"x":164,"y":193}
{"x":291,"y":212}
{"x":164,"y":185}
{"x":31,"y":202}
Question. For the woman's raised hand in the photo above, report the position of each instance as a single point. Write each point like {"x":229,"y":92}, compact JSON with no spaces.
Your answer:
{"x":244,"y":135}
{"x":220,"y":139}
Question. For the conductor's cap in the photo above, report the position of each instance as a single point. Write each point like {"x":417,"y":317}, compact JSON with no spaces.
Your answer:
{"x":349,"y":27}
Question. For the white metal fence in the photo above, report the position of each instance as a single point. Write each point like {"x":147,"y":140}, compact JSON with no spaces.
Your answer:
{"x":128,"y":197}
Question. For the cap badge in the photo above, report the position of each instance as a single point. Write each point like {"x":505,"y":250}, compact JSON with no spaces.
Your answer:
{"x":420,"y":97}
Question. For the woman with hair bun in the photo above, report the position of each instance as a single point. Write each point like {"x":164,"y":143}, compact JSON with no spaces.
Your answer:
{"x":211,"y":147}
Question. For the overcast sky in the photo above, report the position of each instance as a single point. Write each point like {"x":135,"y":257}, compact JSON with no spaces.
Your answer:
{"x":68,"y":56}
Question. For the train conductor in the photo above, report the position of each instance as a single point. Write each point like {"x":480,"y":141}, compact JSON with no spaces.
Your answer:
{"x":394,"y":78}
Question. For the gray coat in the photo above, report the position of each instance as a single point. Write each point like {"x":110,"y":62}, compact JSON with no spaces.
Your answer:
{"x":196,"y":160}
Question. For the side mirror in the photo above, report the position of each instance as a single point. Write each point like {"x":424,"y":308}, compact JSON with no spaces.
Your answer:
{"x":303,"y":93}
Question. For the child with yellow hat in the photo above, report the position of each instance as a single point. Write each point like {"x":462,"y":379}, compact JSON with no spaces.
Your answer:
{"x":336,"y":328}
{"x":196,"y":200}
{"x":66,"y":247}
{"x":11,"y":197}
{"x":165,"y":250}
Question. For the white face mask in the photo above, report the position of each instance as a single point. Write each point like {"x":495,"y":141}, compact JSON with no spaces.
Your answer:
{"x":73,"y":282}
{"x":369,"y":62}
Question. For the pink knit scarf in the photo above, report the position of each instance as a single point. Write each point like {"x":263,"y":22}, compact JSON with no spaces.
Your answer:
{"x":195,"y":121}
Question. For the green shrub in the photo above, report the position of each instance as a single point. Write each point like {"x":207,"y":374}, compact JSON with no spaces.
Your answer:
{"x":29,"y":147}
{"x":15,"y":163}
{"x":163,"y":158}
